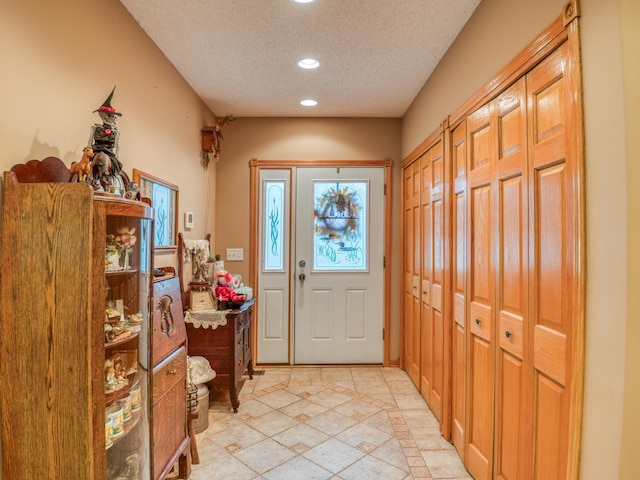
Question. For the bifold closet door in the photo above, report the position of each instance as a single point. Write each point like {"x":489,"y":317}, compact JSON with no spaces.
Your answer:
{"x":432,"y":201}
{"x":555,"y":267}
{"x":512,"y":448}
{"x":480,"y":292}
{"x":412,"y":272}
{"x":458,"y":277}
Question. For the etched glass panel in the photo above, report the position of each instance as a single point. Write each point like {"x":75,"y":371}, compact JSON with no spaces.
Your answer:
{"x":340,"y":226}
{"x":273,"y":225}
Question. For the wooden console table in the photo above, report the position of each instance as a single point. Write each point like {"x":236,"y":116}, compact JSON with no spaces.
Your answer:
{"x":224,"y":339}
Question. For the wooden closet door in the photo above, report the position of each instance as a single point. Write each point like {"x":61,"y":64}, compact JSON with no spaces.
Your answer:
{"x":554,"y":283}
{"x":432,"y":284}
{"x":426,"y":340}
{"x":458,"y":272}
{"x":480,"y":291}
{"x":411,"y":271}
{"x":513,"y":400}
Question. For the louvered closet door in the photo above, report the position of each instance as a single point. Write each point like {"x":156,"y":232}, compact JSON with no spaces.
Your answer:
{"x":458,"y":353}
{"x":513,"y":398}
{"x":554,"y":196}
{"x":480,"y":290}
{"x":432,"y":284}
{"x":412,"y":271}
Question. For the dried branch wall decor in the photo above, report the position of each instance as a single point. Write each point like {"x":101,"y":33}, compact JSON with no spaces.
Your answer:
{"x":211,"y":140}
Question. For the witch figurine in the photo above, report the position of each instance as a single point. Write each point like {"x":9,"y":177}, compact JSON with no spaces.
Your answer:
{"x":106,"y":169}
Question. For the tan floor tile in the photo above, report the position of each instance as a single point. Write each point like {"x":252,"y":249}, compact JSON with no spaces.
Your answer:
{"x":445,"y":464}
{"x":331,"y":422}
{"x":325,"y":423}
{"x":371,"y":467}
{"x":333,"y":455}
{"x":279,"y":399}
{"x":392,"y":453}
{"x":329,"y":398}
{"x":298,"y":469}
{"x":264,"y":456}
{"x":304,"y":406}
{"x":301,"y":433}
{"x":272,"y":423}
{"x":360,"y":433}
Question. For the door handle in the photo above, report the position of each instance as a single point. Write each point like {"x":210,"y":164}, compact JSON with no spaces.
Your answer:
{"x":301,"y":277}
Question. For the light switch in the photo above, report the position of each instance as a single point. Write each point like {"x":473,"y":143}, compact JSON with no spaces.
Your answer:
{"x":235,"y":254}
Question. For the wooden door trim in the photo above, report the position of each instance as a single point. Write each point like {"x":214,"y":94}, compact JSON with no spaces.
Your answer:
{"x":255,"y":166}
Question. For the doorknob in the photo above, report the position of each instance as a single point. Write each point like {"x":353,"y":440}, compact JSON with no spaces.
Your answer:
{"x":301,"y":276}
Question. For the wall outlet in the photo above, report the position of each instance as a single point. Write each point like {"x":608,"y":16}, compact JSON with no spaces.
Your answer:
{"x":235,"y":254}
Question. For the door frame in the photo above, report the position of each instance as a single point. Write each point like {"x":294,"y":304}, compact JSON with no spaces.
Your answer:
{"x":255,"y":166}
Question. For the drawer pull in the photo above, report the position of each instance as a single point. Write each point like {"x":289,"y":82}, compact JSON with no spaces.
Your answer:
{"x":173,"y":372}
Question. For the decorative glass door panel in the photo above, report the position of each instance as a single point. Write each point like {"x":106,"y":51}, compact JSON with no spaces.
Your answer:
{"x":340,"y":226}
{"x":127,"y":312}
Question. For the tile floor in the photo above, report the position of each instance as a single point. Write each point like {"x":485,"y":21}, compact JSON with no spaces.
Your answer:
{"x":351,"y":423}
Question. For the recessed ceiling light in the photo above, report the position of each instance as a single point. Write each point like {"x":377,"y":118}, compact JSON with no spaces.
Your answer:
{"x":308,"y":63}
{"x":303,"y":1}
{"x":308,"y":103}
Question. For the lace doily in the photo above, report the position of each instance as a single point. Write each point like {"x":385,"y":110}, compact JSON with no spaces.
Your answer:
{"x":207,"y":318}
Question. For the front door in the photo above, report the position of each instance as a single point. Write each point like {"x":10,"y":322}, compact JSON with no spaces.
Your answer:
{"x":320,"y":262}
{"x":338,"y":267}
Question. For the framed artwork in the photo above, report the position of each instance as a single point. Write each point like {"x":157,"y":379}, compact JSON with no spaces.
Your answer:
{"x":164,"y":200}
{"x":201,"y":300}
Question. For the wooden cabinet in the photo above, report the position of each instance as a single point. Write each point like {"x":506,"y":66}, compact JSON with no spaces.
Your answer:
{"x":169,"y":381}
{"x":227,"y":347}
{"x":74,"y":333}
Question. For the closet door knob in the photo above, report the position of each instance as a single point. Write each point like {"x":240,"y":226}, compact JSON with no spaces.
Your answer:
{"x":507,"y":333}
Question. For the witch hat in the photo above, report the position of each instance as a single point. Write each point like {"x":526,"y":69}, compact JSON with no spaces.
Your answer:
{"x":106,"y":105}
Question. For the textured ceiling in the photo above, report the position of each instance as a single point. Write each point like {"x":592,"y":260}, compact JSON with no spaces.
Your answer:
{"x":240,"y":55}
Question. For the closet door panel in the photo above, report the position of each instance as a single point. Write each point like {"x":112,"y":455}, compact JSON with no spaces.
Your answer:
{"x":513,"y":405}
{"x":480,"y":375}
{"x":426,"y":344}
{"x":437,"y":280}
{"x":553,"y":198}
{"x":458,"y":159}
{"x":411,"y":313}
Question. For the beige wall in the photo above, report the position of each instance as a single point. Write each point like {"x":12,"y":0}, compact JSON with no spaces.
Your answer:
{"x":300,"y":139}
{"x":59,"y":62}
{"x":494,"y":34}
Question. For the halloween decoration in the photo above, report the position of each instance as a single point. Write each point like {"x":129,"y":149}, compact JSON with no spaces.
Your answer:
{"x":106,"y":168}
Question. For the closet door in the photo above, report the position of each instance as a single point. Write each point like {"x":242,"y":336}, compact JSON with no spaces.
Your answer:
{"x":513,"y":398}
{"x":458,"y":351}
{"x":432,"y":285}
{"x":480,"y":291}
{"x":554,"y":273}
{"x":412,"y":271}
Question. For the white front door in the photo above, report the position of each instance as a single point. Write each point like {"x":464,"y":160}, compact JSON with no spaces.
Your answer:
{"x":338,"y":266}
{"x":333,"y":221}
